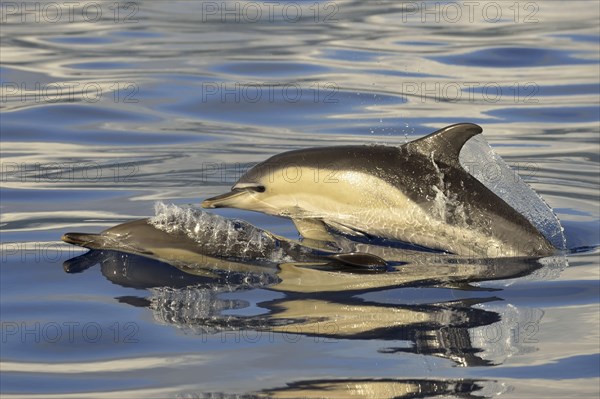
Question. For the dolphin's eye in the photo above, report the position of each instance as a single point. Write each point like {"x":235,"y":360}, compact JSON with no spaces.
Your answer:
{"x":260,"y":189}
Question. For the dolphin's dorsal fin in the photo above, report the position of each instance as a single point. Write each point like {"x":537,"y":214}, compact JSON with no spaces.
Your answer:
{"x":446,"y":143}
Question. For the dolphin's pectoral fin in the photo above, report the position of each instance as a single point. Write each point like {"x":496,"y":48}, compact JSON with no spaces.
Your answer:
{"x":361,"y":260}
{"x":313,"y":229}
{"x":446,"y":143}
{"x":345,"y":229}
{"x":83,"y":262}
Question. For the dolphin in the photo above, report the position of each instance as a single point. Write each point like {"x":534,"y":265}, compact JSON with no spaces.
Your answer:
{"x":139,"y":237}
{"x":417,"y":193}
{"x":245,"y":249}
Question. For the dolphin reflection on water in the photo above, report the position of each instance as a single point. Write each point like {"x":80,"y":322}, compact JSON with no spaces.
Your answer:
{"x":368,"y":388}
{"x":463,"y":331}
{"x":386,"y":388}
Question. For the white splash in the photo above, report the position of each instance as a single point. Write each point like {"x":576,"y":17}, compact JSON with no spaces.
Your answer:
{"x":480,"y":160}
{"x":216,"y":234}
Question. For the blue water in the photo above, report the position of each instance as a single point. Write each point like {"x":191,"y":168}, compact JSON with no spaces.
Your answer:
{"x":172,"y":101}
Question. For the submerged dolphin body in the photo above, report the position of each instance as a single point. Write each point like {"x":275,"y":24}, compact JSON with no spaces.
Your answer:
{"x":417,"y":193}
{"x":200,"y":243}
{"x":141,"y":237}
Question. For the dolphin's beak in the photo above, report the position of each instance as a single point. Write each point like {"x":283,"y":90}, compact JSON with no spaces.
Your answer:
{"x":82,"y":239}
{"x":224,"y":200}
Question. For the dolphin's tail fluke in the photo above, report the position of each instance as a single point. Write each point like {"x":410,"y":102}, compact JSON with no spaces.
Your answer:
{"x":93,"y":241}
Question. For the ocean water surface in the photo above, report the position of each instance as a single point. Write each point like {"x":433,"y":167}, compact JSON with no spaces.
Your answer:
{"x":110,"y":107}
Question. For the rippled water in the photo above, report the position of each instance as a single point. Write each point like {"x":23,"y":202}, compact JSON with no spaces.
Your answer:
{"x":108,"y":107}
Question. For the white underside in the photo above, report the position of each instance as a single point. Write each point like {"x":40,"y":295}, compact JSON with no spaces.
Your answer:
{"x":366,"y":203}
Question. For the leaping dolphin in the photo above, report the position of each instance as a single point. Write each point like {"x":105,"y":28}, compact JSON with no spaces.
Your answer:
{"x":416,"y":193}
